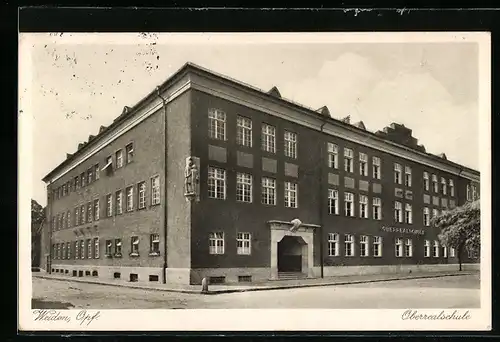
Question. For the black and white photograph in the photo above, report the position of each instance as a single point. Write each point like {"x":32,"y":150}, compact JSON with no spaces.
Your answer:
{"x":202,"y":181}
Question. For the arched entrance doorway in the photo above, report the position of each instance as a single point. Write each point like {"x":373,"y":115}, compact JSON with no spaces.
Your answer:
{"x":290,"y":250}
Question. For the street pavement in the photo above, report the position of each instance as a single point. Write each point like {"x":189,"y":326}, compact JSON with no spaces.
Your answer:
{"x":441,"y":292}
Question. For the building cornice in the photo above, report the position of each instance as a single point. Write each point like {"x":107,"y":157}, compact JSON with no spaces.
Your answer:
{"x":193,"y":77}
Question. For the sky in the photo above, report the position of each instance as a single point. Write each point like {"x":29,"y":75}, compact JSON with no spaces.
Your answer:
{"x":78,"y":83}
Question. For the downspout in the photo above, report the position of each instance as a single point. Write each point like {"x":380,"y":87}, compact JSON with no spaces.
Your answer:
{"x":164,"y":104}
{"x":321,"y":196}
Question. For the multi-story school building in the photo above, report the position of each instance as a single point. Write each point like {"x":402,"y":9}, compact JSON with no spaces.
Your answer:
{"x":210,"y":177}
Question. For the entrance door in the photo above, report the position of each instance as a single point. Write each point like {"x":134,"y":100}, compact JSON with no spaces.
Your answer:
{"x":290,"y":255}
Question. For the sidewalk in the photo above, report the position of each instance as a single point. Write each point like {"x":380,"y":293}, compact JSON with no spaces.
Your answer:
{"x":255,"y":286}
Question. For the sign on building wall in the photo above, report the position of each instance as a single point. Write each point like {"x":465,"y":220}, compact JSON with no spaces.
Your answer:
{"x":403,"y":230}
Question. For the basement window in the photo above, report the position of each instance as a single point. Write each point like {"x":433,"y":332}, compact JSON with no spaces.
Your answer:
{"x":153,"y":277}
{"x":244,"y":279}
{"x":217,"y":280}
{"x":80,"y":273}
{"x":117,"y":275}
{"x":87,"y":273}
{"x":134,"y":277}
{"x":94,"y":274}
{"x":74,"y":273}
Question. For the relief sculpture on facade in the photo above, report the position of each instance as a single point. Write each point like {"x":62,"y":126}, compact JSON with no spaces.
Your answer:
{"x":192,"y":179}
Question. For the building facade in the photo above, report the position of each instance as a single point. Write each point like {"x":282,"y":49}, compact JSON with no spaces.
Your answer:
{"x":209,"y":177}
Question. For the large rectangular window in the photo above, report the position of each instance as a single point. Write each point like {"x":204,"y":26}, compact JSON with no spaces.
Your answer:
{"x":333,"y":201}
{"x":377,"y":173}
{"x":452,"y":188}
{"x":130,"y":198}
{"x":435,"y":183}
{"x":333,"y":156}
{"x":398,"y":212}
{"x":89,"y":249}
{"x":82,"y":214}
{"x":154,"y":244}
{"x":399,"y":247}
{"x":363,"y":164}
{"x":377,"y":208}
{"x":427,"y":217}
{"x":119,"y":202}
{"x":349,"y":204}
{"x":216,"y":124}
{"x":243,"y":243}
{"x":290,"y":195}
{"x":216,"y":183}
{"x":348,"y":160}
{"x":142,"y":194}
{"x":96,"y":209}
{"x":155,"y":190}
{"x":109,"y":205}
{"x":408,"y":248}
{"x":134,"y":246}
{"x":349,"y":245}
{"x":290,"y":144}
{"x":427,"y":248}
{"x":129,"y":150}
{"x":268,"y":191}
{"x":408,"y":176}
{"x":397,"y":173}
{"x":90,"y":214}
{"x":426,"y":181}
{"x":333,"y":244}
{"x":363,"y":246}
{"x":435,"y":251}
{"x":377,"y":246}
{"x":443,"y":185}
{"x":268,"y":138}
{"x":243,"y":187}
{"x":408,"y":213}
{"x":96,"y":248}
{"x":216,"y":243}
{"x":244,"y":131}
{"x":119,"y":158}
{"x":363,"y":206}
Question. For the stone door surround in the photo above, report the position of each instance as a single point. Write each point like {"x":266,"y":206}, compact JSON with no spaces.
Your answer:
{"x":280,"y":229}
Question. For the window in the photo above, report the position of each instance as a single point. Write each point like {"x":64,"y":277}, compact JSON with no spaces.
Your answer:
{"x":452,"y":252}
{"x":89,"y":249}
{"x":452,"y":187}
{"x":216,"y":243}
{"x":397,"y":173}
{"x":243,"y":187}
{"x":90,"y":175}
{"x":398,"y":208}
{"x":109,"y":205}
{"x":435,"y":212}
{"x":349,"y":245}
{"x":333,"y":156}
{"x":333,"y":201}
{"x":63,"y":220}
{"x":445,"y":252}
{"x":154,"y":244}
{"x":118,"y":202}
{"x":399,"y":247}
{"x":89,"y":212}
{"x":82,"y":179}
{"x":268,"y":138}
{"x":68,"y":250}
{"x":142,"y":195}
{"x":82,"y":249}
{"x":468,"y":192}
{"x":427,"y":248}
{"x":435,"y":252}
{"x":96,"y":171}
{"x":130,"y":198}
{"x":96,"y":248}
{"x":407,"y":176}
{"x":68,"y":219}
{"x":376,"y":167}
{"x":363,"y":206}
{"x":118,"y":247}
{"x":348,"y":160}
{"x":408,"y":214}
{"x":77,"y":216}
{"x":63,"y":246}
{"x":408,"y":248}
{"x":349,"y":204}
{"x":129,"y":150}
{"x":109,"y":164}
{"x":474,"y":193}
{"x":155,"y":190}
{"x":243,"y":243}
{"x":216,"y":183}
{"x":363,"y":246}
{"x":77,"y":183}
{"x":377,"y":246}
{"x":244,"y":131}
{"x":443,"y":185}
{"x":333,"y":244}
{"x":119,"y":159}
{"x":77,"y":250}
{"x":427,"y":217}
{"x":268,"y":191}
{"x":363,"y":164}
{"x":96,"y":209}
{"x":290,"y":144}
{"x":434,"y":183}
{"x":290,"y":195}
{"x":426,"y":181}
{"x":134,"y":246}
{"x":216,"y":124}
{"x":64,"y":190}
{"x":377,"y":208}
{"x":82,"y":214}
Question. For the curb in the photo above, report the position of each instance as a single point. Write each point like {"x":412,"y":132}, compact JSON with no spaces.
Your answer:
{"x":261,"y":288}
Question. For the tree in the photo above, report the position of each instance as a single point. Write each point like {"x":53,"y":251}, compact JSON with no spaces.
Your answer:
{"x":37,"y":219}
{"x":460,"y":228}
